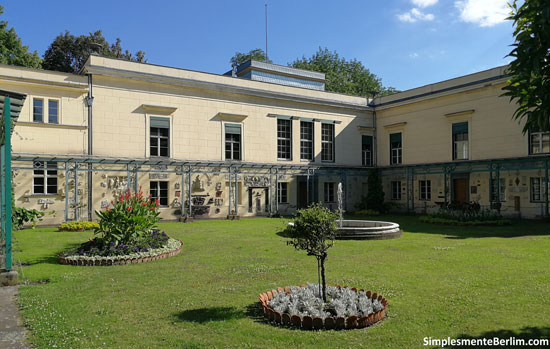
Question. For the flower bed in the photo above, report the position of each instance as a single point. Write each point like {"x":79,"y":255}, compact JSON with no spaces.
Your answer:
{"x":172,"y":248}
{"x":447,"y":221}
{"x":303,"y":308}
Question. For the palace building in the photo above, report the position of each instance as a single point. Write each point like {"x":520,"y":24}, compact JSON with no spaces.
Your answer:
{"x":265,"y":139}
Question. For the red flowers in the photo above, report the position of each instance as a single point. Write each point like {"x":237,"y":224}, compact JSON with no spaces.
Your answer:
{"x":129,"y":209}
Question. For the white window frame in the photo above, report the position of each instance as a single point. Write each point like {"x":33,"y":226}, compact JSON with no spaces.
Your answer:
{"x":539,"y":184}
{"x":284,"y":139}
{"x":46,"y":110}
{"x":396,"y":190}
{"x":157,"y":184}
{"x":329,"y":190}
{"x":43,"y":166}
{"x":309,"y":143}
{"x":425,"y":189}
{"x":282,"y":187}
{"x":542,"y":137}
{"x":502,"y":189}
{"x":328,"y":143}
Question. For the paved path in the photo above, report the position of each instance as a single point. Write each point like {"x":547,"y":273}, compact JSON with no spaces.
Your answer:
{"x":12,"y":334}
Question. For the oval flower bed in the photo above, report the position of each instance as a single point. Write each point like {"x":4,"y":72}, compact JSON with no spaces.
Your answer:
{"x":172,"y":248}
{"x":303,"y":308}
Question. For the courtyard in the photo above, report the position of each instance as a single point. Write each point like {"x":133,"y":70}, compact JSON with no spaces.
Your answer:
{"x":441,"y":281}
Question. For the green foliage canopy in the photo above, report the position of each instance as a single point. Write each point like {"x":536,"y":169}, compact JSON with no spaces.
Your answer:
{"x":241,"y":57}
{"x":529,"y":84}
{"x":12,"y":50}
{"x":68,"y":53}
{"x":343,"y":76}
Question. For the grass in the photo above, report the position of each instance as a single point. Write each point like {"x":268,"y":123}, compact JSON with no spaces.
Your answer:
{"x":441,"y":281}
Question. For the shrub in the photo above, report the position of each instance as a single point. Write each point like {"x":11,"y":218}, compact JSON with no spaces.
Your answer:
{"x":314,"y":231}
{"x":446,"y":221}
{"x":147,"y":241}
{"x":129,"y":218}
{"x":78,"y":226}
{"x":473,"y":214}
{"x":21,"y":215}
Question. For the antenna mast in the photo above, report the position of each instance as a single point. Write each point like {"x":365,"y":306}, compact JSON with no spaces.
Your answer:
{"x":266,"y":56}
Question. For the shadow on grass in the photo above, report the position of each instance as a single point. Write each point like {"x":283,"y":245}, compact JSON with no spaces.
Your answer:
{"x":525,"y":334}
{"x":519,"y":228}
{"x":203,"y":315}
{"x":49,"y":259}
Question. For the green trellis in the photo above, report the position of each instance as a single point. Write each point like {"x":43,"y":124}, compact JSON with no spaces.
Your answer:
{"x":10,"y":107}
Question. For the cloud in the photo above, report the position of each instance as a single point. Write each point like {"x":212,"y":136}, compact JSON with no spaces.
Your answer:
{"x":413,"y":55}
{"x":424,"y":3}
{"x":486,"y":13}
{"x":415,"y":15}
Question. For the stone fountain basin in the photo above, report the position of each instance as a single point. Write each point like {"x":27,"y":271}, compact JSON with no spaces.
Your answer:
{"x":368,"y":230}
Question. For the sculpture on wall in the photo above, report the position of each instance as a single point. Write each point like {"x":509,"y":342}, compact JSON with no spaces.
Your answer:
{"x":198,"y":186}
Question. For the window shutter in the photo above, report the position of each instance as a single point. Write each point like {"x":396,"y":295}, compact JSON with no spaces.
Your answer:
{"x":367,"y":140}
{"x":160,"y":122}
{"x":395,"y":138}
{"x":461,"y":127}
{"x":233,"y":129}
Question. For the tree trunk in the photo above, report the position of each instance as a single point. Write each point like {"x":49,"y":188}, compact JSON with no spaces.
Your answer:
{"x":323,"y":277}
{"x":319,"y":276}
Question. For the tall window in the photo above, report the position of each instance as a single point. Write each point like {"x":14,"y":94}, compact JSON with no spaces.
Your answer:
{"x":425,"y":187}
{"x":327,"y":142}
{"x":501,"y":190}
{"x":538,"y":189}
{"x":366,"y":150}
{"x":396,"y":149}
{"x":396,"y":190}
{"x":159,"y":190}
{"x":160,"y":137}
{"x":329,"y":191}
{"x":460,"y":141}
{"x":44,"y":179}
{"x":539,"y":142}
{"x":53,"y":111}
{"x":37,"y":110}
{"x":284,"y":139}
{"x":233,"y":142}
{"x":306,"y":140}
{"x":282,"y":192}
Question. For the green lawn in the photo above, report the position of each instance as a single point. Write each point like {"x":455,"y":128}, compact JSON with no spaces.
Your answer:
{"x":440,"y":281}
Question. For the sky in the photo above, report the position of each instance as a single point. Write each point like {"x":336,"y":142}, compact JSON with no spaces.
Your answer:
{"x":406,"y":43}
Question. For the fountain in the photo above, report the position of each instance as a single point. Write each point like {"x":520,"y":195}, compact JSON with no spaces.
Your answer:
{"x":362,"y":229}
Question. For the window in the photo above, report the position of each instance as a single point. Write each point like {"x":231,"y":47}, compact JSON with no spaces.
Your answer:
{"x":53,"y":111}
{"x":366,"y":150}
{"x":327,"y":142}
{"x":159,"y":190}
{"x":396,"y":190}
{"x":539,"y":142}
{"x":425,"y":188}
{"x":460,"y":141}
{"x":306,"y":140}
{"x":502,"y":189}
{"x":396,"y":149}
{"x":160,"y":137}
{"x":44,"y":178}
{"x":282,"y":192}
{"x":37,"y":110}
{"x":233,"y":142}
{"x":329,"y":191}
{"x":284,"y":139}
{"x":537,"y":189}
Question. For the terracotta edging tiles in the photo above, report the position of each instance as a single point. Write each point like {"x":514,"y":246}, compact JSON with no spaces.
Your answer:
{"x":317,"y":323}
{"x":121,"y":260}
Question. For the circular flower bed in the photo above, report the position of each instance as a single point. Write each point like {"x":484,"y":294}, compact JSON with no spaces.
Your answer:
{"x":171,"y":248}
{"x":303,"y":308}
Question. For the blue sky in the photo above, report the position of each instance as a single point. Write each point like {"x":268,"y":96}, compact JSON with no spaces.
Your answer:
{"x":407,"y":43}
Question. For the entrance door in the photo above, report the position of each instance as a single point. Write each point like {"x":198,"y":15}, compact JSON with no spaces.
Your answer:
{"x":461,"y":190}
{"x":302,"y":195}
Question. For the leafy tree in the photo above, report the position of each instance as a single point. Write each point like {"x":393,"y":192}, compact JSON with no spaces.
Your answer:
{"x":375,"y":195}
{"x":241,"y":57}
{"x":529,"y":84}
{"x":343,"y":76}
{"x":68,"y":53}
{"x":314,"y":231}
{"x":12,"y":50}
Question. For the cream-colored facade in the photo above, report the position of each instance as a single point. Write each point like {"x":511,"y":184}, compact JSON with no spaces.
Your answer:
{"x":136,"y":105}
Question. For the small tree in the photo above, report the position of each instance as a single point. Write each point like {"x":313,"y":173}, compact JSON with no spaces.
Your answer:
{"x":375,"y":195}
{"x":241,"y":57}
{"x":314,"y":231}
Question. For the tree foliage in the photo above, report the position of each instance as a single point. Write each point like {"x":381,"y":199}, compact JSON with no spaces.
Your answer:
{"x":12,"y":50}
{"x":314,"y":231}
{"x":68,"y":53}
{"x":343,"y":76}
{"x":529,"y":84}
{"x":241,"y":57}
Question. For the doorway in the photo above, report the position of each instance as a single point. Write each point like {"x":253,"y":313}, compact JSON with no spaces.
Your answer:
{"x":302,"y":194}
{"x":460,"y":190}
